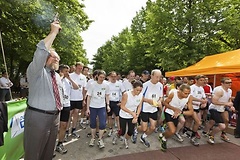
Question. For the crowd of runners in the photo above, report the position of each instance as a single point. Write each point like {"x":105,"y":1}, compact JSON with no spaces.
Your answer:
{"x":132,"y":107}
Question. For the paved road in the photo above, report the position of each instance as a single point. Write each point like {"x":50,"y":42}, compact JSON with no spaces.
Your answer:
{"x":78,"y":149}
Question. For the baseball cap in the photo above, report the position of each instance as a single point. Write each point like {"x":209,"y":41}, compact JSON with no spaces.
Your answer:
{"x":145,"y":72}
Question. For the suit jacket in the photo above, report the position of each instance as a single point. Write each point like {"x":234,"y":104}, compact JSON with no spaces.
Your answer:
{"x":3,"y":121}
{"x":236,"y":101}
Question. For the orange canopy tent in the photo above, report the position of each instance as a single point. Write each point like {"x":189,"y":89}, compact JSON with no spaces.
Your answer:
{"x":223,"y":64}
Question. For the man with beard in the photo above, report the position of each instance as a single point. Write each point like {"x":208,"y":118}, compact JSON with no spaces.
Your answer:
{"x":44,"y":101}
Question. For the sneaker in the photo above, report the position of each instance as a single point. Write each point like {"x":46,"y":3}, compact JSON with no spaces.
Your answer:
{"x":179,"y":138}
{"x":194,"y":141}
{"x":54,"y":154}
{"x":100,"y":144}
{"x":114,"y":140}
{"x":82,"y":126}
{"x":211,"y":140}
{"x":224,"y":137}
{"x":126,"y":143}
{"x":134,"y":137}
{"x":161,"y":129}
{"x":163,"y":144}
{"x":92,"y":142}
{"x":89,"y":134}
{"x":145,"y":141}
{"x":205,"y":134}
{"x":66,"y":137}
{"x":110,"y":133}
{"x":60,"y":148}
{"x":75,"y":135}
{"x":186,"y":135}
{"x":97,"y":134}
{"x":197,"y":135}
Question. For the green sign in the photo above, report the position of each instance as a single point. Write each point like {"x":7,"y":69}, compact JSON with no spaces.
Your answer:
{"x":13,"y":147}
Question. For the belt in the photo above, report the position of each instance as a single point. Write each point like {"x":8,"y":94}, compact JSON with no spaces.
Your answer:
{"x":43,"y":111}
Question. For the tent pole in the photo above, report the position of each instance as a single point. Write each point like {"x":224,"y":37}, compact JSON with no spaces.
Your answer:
{"x":214,"y":80}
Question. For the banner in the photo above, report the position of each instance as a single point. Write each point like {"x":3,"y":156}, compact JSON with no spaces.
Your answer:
{"x":17,"y":124}
{"x":13,"y":147}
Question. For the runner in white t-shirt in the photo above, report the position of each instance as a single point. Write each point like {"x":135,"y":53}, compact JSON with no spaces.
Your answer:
{"x":68,"y":84}
{"x":116,"y":89}
{"x":199,"y":98}
{"x":175,"y":103}
{"x":152,"y":102}
{"x":97,"y":98}
{"x":127,"y":83}
{"x":221,"y":99}
{"x":76,"y":96}
{"x":131,"y":106}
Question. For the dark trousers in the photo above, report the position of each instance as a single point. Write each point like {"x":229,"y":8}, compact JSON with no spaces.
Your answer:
{"x":4,"y":95}
{"x":24,"y":92}
{"x":237,"y":131}
{"x":40,"y":133}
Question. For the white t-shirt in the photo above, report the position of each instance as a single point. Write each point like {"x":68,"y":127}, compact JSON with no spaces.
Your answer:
{"x":151,"y":91}
{"x":225,"y":98}
{"x":81,"y":81}
{"x":132,"y":104}
{"x":127,"y":85}
{"x":5,"y":83}
{"x":89,"y":84}
{"x":115,"y":90}
{"x":67,"y":86}
{"x":98,"y":94}
{"x":197,"y":92}
{"x":176,"y":102}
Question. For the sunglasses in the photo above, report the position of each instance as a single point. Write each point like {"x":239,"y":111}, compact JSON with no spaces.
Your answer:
{"x":228,"y":82}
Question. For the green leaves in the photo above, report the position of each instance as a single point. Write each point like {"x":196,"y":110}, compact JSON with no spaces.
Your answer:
{"x":171,"y":35}
{"x":25,"y":22}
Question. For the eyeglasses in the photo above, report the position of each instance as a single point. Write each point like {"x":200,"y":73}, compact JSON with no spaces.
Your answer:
{"x":54,"y":57}
{"x":228,"y":82}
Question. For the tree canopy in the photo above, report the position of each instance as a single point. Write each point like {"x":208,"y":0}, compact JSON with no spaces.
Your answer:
{"x":171,"y":35}
{"x":25,"y":22}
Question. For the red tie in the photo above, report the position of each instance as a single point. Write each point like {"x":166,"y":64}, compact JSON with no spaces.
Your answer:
{"x":55,"y":91}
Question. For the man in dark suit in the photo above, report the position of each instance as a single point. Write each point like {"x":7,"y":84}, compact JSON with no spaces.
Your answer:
{"x":236,"y":104}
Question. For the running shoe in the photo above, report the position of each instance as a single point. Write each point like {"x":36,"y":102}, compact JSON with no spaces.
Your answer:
{"x":144,"y":141}
{"x":186,"y":135}
{"x":75,"y":135}
{"x":162,"y":129}
{"x":211,"y":140}
{"x":92,"y":142}
{"x":205,"y":134}
{"x":194,"y":141}
{"x":66,"y":137}
{"x":60,"y":148}
{"x":179,"y":138}
{"x":134,"y":136}
{"x":82,"y":126}
{"x":100,"y":144}
{"x":198,"y":135}
{"x":126,"y":143}
{"x":110,"y":132}
{"x":114,"y":140}
{"x":163,"y":143}
{"x":224,"y":137}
